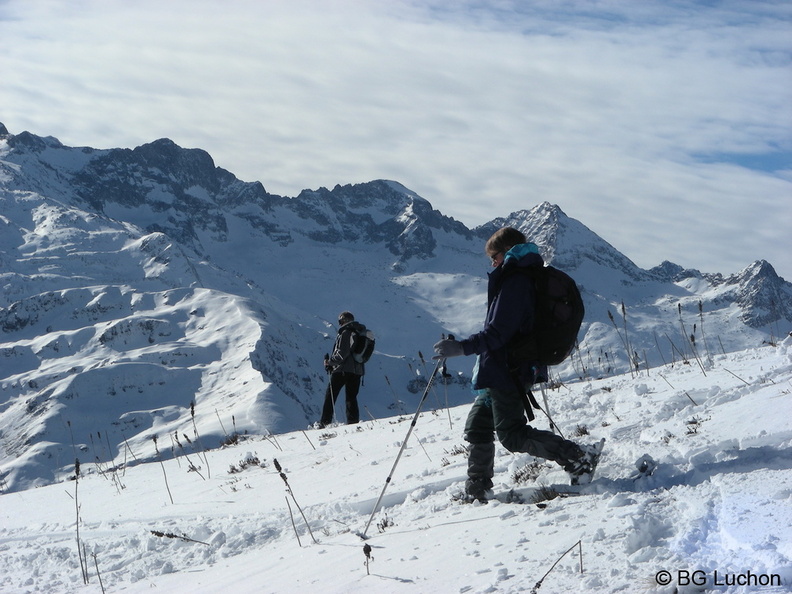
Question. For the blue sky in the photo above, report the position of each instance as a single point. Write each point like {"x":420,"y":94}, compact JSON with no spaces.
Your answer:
{"x":665,"y":127}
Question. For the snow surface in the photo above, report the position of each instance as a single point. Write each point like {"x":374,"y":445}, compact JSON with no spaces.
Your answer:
{"x":718,"y":507}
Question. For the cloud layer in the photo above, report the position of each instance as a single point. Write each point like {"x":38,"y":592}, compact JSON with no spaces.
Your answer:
{"x":665,"y":127}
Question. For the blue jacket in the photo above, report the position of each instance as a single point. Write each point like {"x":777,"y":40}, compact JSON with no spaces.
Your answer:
{"x":510,"y":309}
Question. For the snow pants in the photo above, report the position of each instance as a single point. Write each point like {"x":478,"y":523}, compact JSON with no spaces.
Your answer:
{"x":502,"y":413}
{"x":351,"y":384}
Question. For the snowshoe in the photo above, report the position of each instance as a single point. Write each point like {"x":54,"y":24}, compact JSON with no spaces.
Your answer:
{"x":582,"y":470}
{"x":644,"y":466}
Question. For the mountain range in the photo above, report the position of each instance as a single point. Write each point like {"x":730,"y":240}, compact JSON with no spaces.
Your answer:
{"x":151,"y":277}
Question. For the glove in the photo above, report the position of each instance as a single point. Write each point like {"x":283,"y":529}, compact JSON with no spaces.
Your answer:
{"x":448,"y":348}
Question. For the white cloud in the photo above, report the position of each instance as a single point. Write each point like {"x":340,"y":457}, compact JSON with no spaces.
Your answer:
{"x":482,"y":108}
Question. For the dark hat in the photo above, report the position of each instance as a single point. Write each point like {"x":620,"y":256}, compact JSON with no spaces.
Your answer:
{"x":345,"y":317}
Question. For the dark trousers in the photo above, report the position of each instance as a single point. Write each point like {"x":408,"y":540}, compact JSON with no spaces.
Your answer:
{"x":351,"y":384}
{"x":502,"y":412}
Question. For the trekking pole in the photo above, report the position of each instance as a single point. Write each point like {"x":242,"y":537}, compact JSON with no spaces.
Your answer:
{"x":448,"y":408}
{"x":334,"y":396}
{"x":330,"y":386}
{"x":403,"y":445}
{"x":546,"y":411}
{"x":423,"y":362}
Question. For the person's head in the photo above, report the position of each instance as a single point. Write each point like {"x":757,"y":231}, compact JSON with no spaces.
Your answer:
{"x":501,"y":242}
{"x":345,"y":317}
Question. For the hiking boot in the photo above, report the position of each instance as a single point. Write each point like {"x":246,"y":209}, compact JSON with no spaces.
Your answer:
{"x":478,"y":489}
{"x":581,"y":471}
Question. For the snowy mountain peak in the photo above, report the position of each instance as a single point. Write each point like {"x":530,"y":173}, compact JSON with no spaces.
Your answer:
{"x":568,"y":244}
{"x":30,"y":143}
{"x":762,"y":295}
{"x":759,"y":270}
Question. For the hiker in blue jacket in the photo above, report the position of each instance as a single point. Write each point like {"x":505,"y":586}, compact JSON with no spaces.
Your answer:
{"x":345,"y":372}
{"x":499,"y":407}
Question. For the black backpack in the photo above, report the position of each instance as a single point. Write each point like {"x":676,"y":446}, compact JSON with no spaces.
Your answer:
{"x":362,"y":343}
{"x":558,"y":314}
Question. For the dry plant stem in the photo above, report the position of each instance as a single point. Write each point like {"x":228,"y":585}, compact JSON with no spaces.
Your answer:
{"x":129,"y":449}
{"x":173,"y":451}
{"x":672,"y":387}
{"x":109,"y":447}
{"x":309,"y":439}
{"x":85,"y":556}
{"x":198,"y":439}
{"x":294,"y":526}
{"x":623,"y":341}
{"x":99,"y":575}
{"x":177,"y":536}
{"x":163,"y":469}
{"x":698,"y":360}
{"x":696,"y":355}
{"x":289,"y":491}
{"x":583,"y":367}
{"x":659,"y":350}
{"x":691,"y":399}
{"x":577,"y":544}
{"x":98,"y":463}
{"x":271,"y":438}
{"x":685,"y":335}
{"x":420,"y":443}
{"x":675,"y":349}
{"x":689,"y":338}
{"x":83,"y":560}
{"x":396,"y":401}
{"x":307,"y":525}
{"x":701,"y":317}
{"x":626,"y":336}
{"x":186,"y":455}
{"x":666,"y":381}
{"x":367,"y":553}
{"x":221,"y":424}
{"x":738,"y":377}
{"x":74,"y":447}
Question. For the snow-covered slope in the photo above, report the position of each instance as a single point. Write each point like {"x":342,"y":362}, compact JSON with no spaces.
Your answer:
{"x":715,"y":513}
{"x":151,"y":277}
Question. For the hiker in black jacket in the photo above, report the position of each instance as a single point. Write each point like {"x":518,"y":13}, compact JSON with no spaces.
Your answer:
{"x":345,"y":372}
{"x":499,"y":407}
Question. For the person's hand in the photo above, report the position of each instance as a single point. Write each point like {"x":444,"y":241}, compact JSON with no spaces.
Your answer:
{"x":447,"y":348}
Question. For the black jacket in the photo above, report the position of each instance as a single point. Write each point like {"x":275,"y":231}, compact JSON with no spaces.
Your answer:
{"x":341,"y":359}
